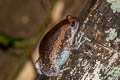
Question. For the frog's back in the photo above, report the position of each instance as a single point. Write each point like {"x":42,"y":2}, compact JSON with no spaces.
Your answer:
{"x":46,"y":44}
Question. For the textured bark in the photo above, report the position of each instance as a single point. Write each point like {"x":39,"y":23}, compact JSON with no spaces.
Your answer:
{"x":98,"y":58}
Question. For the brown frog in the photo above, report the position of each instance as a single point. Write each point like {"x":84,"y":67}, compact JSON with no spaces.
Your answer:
{"x":56,"y":46}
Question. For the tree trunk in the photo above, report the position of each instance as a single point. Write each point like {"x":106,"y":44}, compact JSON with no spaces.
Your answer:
{"x":99,"y":57}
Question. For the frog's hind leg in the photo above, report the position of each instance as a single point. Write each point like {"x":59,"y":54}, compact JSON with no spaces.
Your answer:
{"x":62,"y":70}
{"x":58,"y":72}
{"x":37,"y":66}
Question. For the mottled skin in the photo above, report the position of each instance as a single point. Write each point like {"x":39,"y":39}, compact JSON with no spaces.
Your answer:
{"x":55,"y":47}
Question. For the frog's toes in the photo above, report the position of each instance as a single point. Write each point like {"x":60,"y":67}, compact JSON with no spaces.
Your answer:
{"x":64,"y":69}
{"x":79,"y":38}
{"x":79,"y":44}
{"x":59,"y":72}
{"x":79,"y":41}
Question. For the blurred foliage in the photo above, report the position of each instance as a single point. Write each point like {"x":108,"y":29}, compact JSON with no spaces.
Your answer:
{"x":27,"y":45}
{"x":8,"y":41}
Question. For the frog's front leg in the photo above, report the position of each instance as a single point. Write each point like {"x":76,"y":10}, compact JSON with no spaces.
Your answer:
{"x":78,"y":42}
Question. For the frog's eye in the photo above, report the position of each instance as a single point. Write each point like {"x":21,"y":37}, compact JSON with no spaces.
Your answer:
{"x":72,"y":24}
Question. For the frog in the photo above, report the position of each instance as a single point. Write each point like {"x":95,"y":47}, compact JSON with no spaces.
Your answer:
{"x":56,"y":46}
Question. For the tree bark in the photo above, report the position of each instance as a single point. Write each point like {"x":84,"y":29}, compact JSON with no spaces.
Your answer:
{"x":99,"y":57}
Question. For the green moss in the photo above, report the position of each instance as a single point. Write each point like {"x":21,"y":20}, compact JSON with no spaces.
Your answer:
{"x":8,"y":41}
